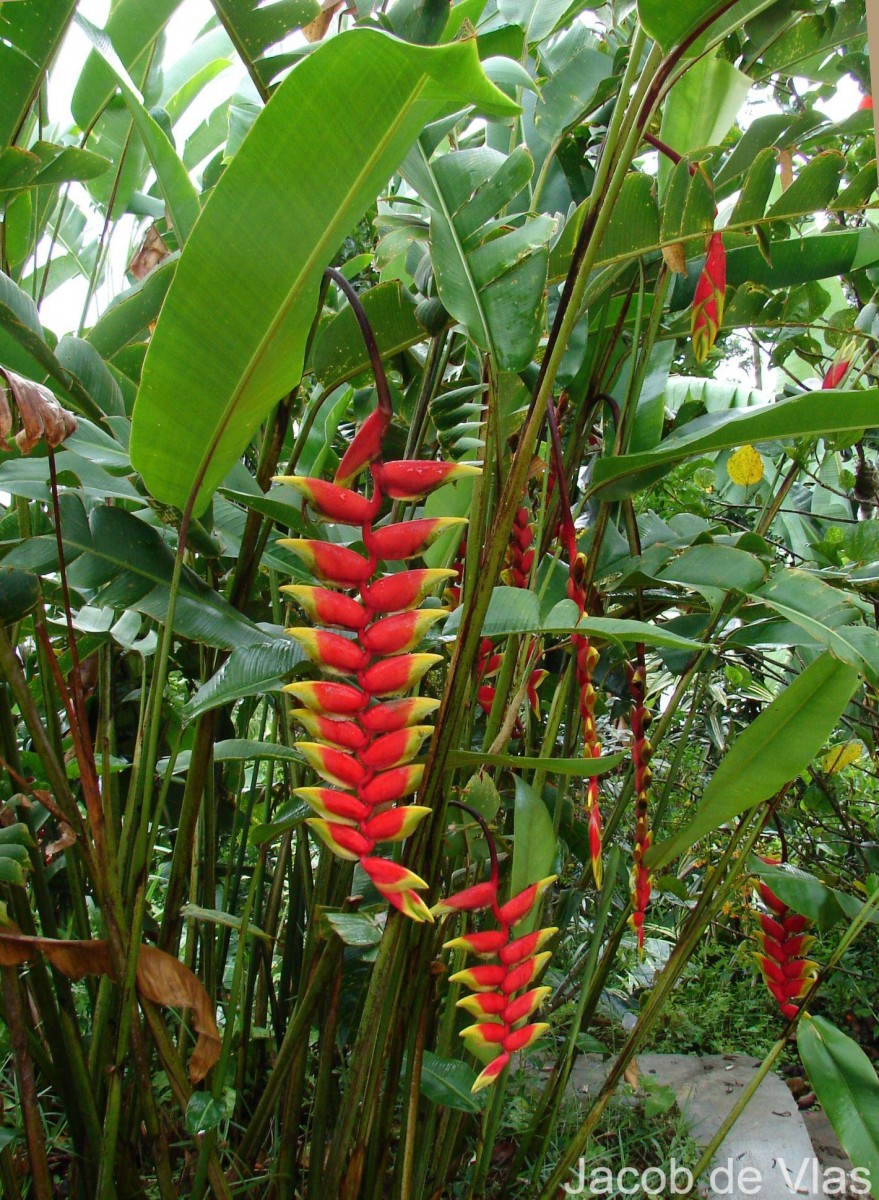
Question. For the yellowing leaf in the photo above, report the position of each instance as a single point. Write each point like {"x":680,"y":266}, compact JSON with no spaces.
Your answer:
{"x":745,"y":466}
{"x":841,"y":756}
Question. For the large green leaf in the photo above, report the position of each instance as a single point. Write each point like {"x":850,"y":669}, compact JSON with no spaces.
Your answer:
{"x":813,"y":414}
{"x":490,"y":273}
{"x":449,"y":1081}
{"x":702,"y":107}
{"x":232,"y":332}
{"x":254,"y":27}
{"x":669,"y":24}
{"x":534,"y":844}
{"x":248,"y":671}
{"x":339,"y":352}
{"x":845,"y":1083}
{"x":30,"y":34}
{"x":771,"y":752}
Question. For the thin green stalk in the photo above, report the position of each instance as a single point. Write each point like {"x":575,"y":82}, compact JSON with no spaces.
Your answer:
{"x":491,"y":1120}
{"x":41,"y":1180}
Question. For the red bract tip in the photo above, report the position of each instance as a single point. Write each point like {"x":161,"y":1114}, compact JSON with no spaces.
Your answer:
{"x":405,"y":590}
{"x":398,"y":714}
{"x":334,"y":503}
{"x":347,"y":735}
{"x":331,"y":563}
{"x":406,"y":539}
{"x":338,"y":699}
{"x":517,"y":908}
{"x":836,"y":374}
{"x":366,"y":446}
{"x":390,"y":676}
{"x":392,"y":785}
{"x":413,"y":478}
{"x":490,"y":1073}
{"x":480,"y":895}
{"x":328,"y":608}
{"x":402,"y":632}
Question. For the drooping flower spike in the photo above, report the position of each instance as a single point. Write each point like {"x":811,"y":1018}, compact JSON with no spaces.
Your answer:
{"x":784,"y":942}
{"x":503,"y":999}
{"x":363,"y":726}
{"x":708,"y":300}
{"x":642,"y":751}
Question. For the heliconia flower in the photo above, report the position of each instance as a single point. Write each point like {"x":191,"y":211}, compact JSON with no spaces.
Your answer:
{"x":404,"y":590}
{"x":402,"y":632}
{"x":397,"y":714}
{"x":482,"y":944}
{"x":390,"y":676}
{"x":336,"y":654}
{"x":480,"y":895}
{"x":392,"y":785}
{"x":521,"y":1039}
{"x":783,"y":943}
{"x":341,"y":807}
{"x":410,"y":905}
{"x":482,"y":978}
{"x":523,"y":974}
{"x":407,"y":539}
{"x":486,"y":1004}
{"x":395,"y":824}
{"x":836,"y":374}
{"x":641,"y":880}
{"x":513,"y":952}
{"x":366,"y":446}
{"x":708,"y":300}
{"x":335,"y":766}
{"x":332,"y":502}
{"x":484,"y":1034}
{"x":523,"y":1006}
{"x":411,"y":479}
{"x":331,"y":563}
{"x":342,"y":839}
{"x":338,"y":699}
{"x":520,"y":556}
{"x":490,"y":1073}
{"x":326,"y":607}
{"x":389,"y":876}
{"x":535,"y":679}
{"x":395,"y":749}
{"x":347,"y":735}
{"x":518,"y":908}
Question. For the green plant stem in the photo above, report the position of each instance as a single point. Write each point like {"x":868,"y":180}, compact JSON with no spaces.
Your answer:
{"x":41,"y":1182}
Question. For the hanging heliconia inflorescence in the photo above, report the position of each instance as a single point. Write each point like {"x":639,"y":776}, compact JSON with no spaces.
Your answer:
{"x":642,"y":751}
{"x":520,"y":552}
{"x":708,"y":299}
{"x":784,"y":941}
{"x":366,"y":729}
{"x":504,"y":998}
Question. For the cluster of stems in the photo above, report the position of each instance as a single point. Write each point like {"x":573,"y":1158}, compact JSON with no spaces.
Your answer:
{"x":586,"y":659}
{"x":642,"y":751}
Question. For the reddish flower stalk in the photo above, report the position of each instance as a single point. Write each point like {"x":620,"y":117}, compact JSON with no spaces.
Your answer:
{"x":503,"y":999}
{"x":784,"y":941}
{"x":708,"y":300}
{"x":642,"y":751}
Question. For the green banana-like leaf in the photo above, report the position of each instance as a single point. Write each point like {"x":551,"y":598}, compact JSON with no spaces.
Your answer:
{"x":771,"y":752}
{"x":30,"y":34}
{"x":231,"y":336}
{"x":490,"y":281}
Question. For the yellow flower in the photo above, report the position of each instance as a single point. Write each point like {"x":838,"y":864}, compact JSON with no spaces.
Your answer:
{"x":745,"y":466}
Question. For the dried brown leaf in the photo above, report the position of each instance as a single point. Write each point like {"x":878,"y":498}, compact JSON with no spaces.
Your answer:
{"x":786,"y":163}
{"x":152,"y":251}
{"x":41,"y":414}
{"x":316,"y":29}
{"x":66,"y":837}
{"x":160,"y":978}
{"x":675,"y":258}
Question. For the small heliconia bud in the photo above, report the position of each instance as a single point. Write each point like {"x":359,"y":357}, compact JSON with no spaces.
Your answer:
{"x":483,"y":978}
{"x":526,"y":1004}
{"x":490,"y":1073}
{"x":366,"y":446}
{"x":337,"y":655}
{"x":335,"y":766}
{"x":402,"y":632}
{"x":395,"y":824}
{"x":398,"y":714}
{"x":390,"y":676}
{"x":343,"y":840}
{"x":471,"y":899}
{"x":328,"y":608}
{"x":334,"y":806}
{"x":337,"y":699}
{"x":332,"y":502}
{"x":524,"y":973}
{"x":836,"y":374}
{"x":405,"y":590}
{"x":521,"y":1039}
{"x":517,"y":908}
{"x":414,"y":478}
{"x":347,"y":735}
{"x":392,"y":785}
{"x":395,"y":749}
{"x":390,"y":877}
{"x":515,"y":951}
{"x":330,"y":562}
{"x":480,"y":944}
{"x":407,"y":539}
{"x":708,"y":300}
